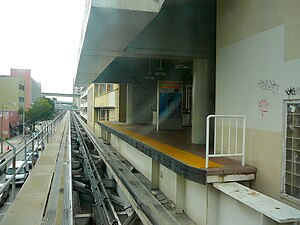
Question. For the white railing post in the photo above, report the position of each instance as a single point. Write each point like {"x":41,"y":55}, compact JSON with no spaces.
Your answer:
{"x":222,"y":136}
{"x":221,"y":152}
{"x":236,"y":135}
{"x":207,"y":142}
{"x":229,"y":135}
{"x":244,"y":141}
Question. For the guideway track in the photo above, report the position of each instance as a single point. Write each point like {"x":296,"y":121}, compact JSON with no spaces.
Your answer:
{"x":103,"y":209}
{"x":146,"y":206}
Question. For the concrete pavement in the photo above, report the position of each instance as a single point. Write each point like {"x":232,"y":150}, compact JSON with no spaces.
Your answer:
{"x":15,"y":141}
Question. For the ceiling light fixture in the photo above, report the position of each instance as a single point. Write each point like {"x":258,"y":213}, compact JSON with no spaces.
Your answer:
{"x":160,"y":71}
{"x":149,"y":77}
{"x":181,"y":65}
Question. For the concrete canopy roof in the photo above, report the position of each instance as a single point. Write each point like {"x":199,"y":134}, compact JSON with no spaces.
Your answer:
{"x":181,"y":30}
{"x":109,"y":26}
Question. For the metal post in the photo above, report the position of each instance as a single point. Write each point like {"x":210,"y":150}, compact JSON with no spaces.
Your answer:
{"x":42,"y":133}
{"x":51,"y":127}
{"x":32,"y":156}
{"x":47,"y":133}
{"x":25,"y":149}
{"x":24,"y":120}
{"x":207,"y":142}
{"x":14,"y":174}
{"x":2,"y":121}
{"x":244,"y":142}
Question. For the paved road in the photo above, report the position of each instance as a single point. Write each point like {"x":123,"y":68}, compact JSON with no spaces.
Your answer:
{"x":4,"y":208}
{"x":21,"y":156}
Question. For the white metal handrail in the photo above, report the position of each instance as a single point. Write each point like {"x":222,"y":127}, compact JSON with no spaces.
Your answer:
{"x":232,"y":149}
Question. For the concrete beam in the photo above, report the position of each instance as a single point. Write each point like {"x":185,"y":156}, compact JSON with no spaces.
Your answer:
{"x":60,"y":95}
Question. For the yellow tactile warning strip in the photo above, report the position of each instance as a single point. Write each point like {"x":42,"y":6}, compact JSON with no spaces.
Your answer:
{"x":185,"y":157}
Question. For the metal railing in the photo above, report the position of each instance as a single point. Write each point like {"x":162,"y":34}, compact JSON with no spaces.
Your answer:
{"x":16,"y":150}
{"x":228,"y":136}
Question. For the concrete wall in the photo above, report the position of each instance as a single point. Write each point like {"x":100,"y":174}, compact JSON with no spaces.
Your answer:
{"x":255,"y":63}
{"x":144,"y":103}
{"x":243,"y":214}
{"x":107,"y":99}
{"x":9,"y":99}
{"x":10,"y":92}
{"x":138,"y":159}
{"x":90,"y":106}
{"x":167,"y":182}
{"x":97,"y":130}
{"x":26,"y":75}
{"x":122,"y":102}
{"x":35,"y":90}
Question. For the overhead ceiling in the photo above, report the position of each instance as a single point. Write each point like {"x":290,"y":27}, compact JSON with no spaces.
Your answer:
{"x":118,"y":42}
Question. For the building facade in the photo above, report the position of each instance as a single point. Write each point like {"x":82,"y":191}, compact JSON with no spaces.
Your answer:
{"x":12,"y":100}
{"x":35,"y":90}
{"x":32,"y":87}
{"x":17,"y":92}
{"x":101,"y":102}
{"x":257,"y":75}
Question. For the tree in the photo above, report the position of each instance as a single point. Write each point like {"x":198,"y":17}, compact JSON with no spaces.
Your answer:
{"x":41,"y":109}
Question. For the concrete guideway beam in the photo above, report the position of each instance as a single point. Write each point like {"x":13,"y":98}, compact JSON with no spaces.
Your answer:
{"x":61,"y":95}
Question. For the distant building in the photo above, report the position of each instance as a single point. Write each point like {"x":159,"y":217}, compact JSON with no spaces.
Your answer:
{"x":32,"y":87}
{"x":17,"y":92}
{"x":103,"y":102}
{"x":76,"y":101}
{"x":12,"y":100}
{"x":35,"y":90}
{"x":59,"y":105}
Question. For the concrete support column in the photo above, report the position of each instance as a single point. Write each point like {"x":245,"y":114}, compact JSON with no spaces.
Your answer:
{"x":129,"y":105}
{"x":200,"y":106}
{"x":106,"y":115}
{"x":102,"y":133}
{"x":108,"y":136}
{"x":213,"y":202}
{"x":155,"y":175}
{"x":180,"y":194}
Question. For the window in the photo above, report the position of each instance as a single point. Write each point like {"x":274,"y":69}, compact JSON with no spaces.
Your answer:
{"x":21,"y":99}
{"x":110,"y":87}
{"x":102,"y":115}
{"x":291,"y":167}
{"x":98,"y":89}
{"x":21,"y":87}
{"x":102,"y":88}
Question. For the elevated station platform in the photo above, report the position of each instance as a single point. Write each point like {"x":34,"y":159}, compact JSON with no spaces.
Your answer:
{"x":174,"y":150}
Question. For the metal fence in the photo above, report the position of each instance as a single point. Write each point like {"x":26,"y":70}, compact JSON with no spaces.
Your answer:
{"x":228,"y":132}
{"x":36,"y":141}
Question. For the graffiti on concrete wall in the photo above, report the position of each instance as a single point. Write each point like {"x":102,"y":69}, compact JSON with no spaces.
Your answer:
{"x":268,"y":85}
{"x":263,"y":106}
{"x":292,"y":91}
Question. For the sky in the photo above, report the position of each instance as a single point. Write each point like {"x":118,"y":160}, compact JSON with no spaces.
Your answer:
{"x":42,"y":35}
